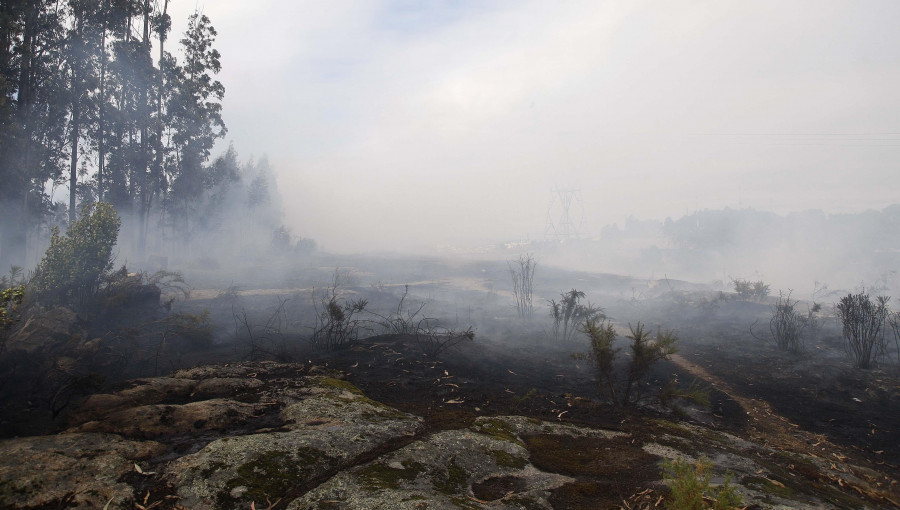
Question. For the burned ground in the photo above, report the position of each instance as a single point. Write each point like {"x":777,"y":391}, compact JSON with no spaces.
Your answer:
{"x":818,"y":411}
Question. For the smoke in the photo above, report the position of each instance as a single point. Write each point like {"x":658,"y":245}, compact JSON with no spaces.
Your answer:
{"x":801,"y":252}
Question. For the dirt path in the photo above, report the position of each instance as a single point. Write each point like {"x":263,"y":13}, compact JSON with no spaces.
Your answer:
{"x":765,"y":424}
{"x":770,"y":428}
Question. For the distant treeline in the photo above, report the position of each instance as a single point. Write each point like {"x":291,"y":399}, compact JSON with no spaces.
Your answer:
{"x":798,"y":248}
{"x":91,"y":99}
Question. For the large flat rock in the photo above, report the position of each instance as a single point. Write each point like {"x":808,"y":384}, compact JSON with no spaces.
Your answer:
{"x":332,"y":429}
{"x":64,"y":470}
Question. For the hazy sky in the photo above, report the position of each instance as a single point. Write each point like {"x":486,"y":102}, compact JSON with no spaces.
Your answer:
{"x":409,"y":124}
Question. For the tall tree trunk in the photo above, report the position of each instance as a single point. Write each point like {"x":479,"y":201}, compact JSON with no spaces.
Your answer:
{"x":144,"y":115}
{"x":73,"y":165}
{"x":156,"y":173}
{"x":101,"y":111}
{"x":14,"y":241}
{"x":77,"y":57}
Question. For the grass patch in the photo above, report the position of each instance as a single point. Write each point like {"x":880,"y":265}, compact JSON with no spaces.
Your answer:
{"x":331,"y":382}
{"x":671,"y":427}
{"x":381,"y":410}
{"x":498,"y":429}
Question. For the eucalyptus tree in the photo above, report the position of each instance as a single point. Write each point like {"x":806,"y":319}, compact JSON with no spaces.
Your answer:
{"x":194,"y":113}
{"x":83,"y":102}
{"x":32,"y":120}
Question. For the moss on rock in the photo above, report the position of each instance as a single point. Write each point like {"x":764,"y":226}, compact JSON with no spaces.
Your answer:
{"x":378,"y":475}
{"x":508,"y":460}
{"x":331,"y":382}
{"x":270,"y":475}
{"x":455,"y":481}
{"x":497,"y":429}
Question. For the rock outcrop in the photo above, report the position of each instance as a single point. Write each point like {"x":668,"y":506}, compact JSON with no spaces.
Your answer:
{"x":74,"y":469}
{"x":47,"y":331}
{"x":300,"y":437}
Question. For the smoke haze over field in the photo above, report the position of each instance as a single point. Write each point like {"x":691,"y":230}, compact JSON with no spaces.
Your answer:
{"x":401,"y":125}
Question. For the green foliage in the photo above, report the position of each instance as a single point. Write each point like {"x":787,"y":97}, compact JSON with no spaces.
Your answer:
{"x":748,"y":290}
{"x":12,"y":293}
{"x":10,"y":299}
{"x":602,"y":335}
{"x":122,"y":289}
{"x":645,"y":351}
{"x":673,"y":391}
{"x":569,"y":314}
{"x":195,"y":108}
{"x":75,"y":264}
{"x":171,"y":285}
{"x":691,"y":490}
{"x":194,"y":328}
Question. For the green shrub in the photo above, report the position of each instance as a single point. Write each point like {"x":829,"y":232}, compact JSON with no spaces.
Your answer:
{"x":691,"y":489}
{"x":74,"y":265}
{"x":569,"y":314}
{"x":10,"y":299}
{"x":644,"y":353}
{"x":194,"y":328}
{"x":746,"y":289}
{"x":602,"y":335}
{"x":12,"y":292}
{"x":646,"y":350}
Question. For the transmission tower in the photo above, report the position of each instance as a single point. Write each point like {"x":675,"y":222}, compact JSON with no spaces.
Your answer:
{"x":560,"y":225}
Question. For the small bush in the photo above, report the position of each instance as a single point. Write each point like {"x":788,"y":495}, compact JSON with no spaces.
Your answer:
{"x":863,"y":320}
{"x":894,"y":322}
{"x":337,"y":320}
{"x":196,"y":329}
{"x":405,"y":320}
{"x":10,"y":299}
{"x":521,"y":272}
{"x":269,"y":340}
{"x":569,"y":314}
{"x":673,"y":392}
{"x":645,"y":352}
{"x":75,"y":264}
{"x":602,"y":336}
{"x":691,"y":490}
{"x":787,"y":327}
{"x":748,"y":290}
{"x":434,"y":339}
